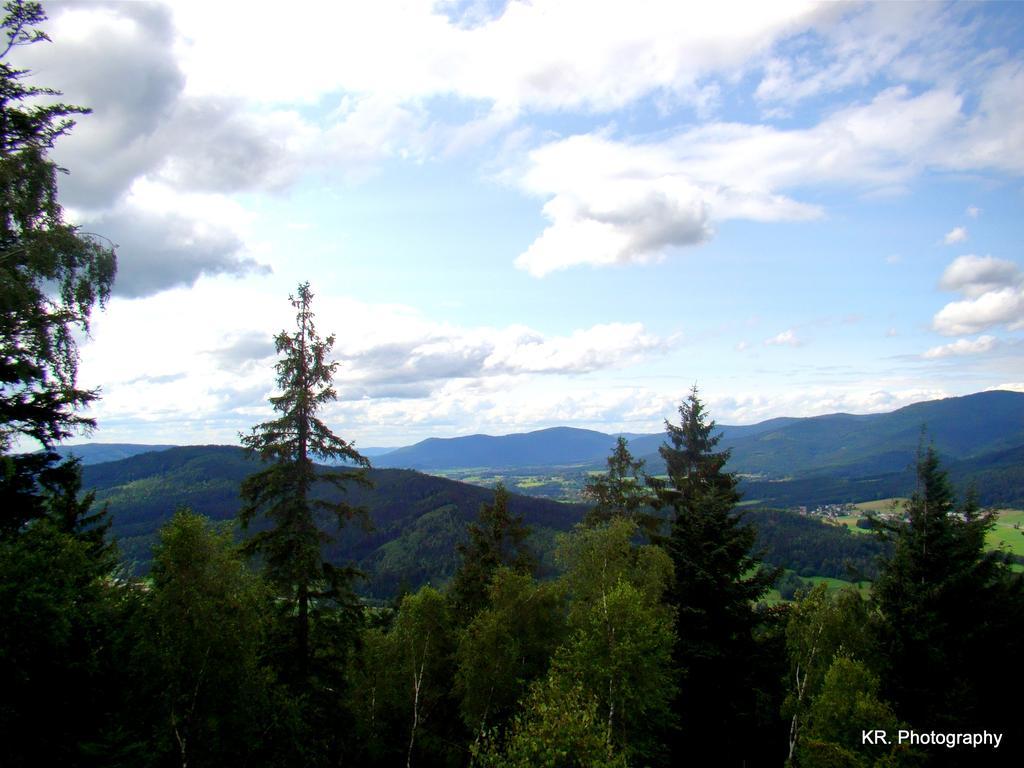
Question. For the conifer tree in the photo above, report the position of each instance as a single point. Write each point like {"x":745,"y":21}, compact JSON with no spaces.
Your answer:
{"x":717,"y":582}
{"x":950,"y":611}
{"x":622,"y":492}
{"x":497,"y":539}
{"x":283,"y":492}
{"x":51,"y":276}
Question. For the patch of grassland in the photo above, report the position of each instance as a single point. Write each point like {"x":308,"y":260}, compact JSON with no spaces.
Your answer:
{"x":879,"y":505}
{"x":1004,"y":535}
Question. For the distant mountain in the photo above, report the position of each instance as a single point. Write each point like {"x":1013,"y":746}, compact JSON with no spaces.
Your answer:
{"x":841,"y":445}
{"x":850,"y":446}
{"x":546,"y":447}
{"x":97,"y":453}
{"x":417,"y":519}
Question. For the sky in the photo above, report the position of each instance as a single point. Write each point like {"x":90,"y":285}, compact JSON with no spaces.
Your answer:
{"x":527,"y":214}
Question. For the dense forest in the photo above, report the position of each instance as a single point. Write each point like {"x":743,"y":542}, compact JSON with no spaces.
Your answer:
{"x":648,"y":642}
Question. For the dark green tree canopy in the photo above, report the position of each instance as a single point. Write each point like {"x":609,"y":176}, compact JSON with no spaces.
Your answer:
{"x":51,"y":273}
{"x":946,"y":603}
{"x":496,"y":539}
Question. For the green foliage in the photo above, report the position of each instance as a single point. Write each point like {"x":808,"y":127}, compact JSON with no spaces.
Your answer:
{"x":60,"y":614}
{"x":822,"y":626}
{"x":205,"y":626}
{"x":400,"y":686}
{"x":846,"y":706}
{"x":945,"y":604}
{"x":51,"y":274}
{"x":282,"y":492}
{"x":559,"y":727}
{"x":718,"y":581}
{"x":621,"y":634}
{"x":506,"y":646}
{"x":622,"y":491}
{"x":497,"y":539}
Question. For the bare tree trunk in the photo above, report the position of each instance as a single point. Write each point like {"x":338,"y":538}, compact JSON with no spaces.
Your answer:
{"x":417,"y":684}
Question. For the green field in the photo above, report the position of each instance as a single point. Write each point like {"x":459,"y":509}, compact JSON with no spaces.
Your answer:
{"x":880,"y":505}
{"x":1008,"y":533}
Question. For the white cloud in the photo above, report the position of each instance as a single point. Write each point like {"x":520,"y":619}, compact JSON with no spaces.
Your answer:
{"x":614,"y":201}
{"x":999,"y":307}
{"x":994,"y":295}
{"x":531,"y":56}
{"x":973,"y":211}
{"x":974,"y":276}
{"x":211,"y":366}
{"x":955,"y":235}
{"x":1011,"y":386}
{"x":751,"y":408}
{"x":787,"y":338}
{"x":959,"y":347}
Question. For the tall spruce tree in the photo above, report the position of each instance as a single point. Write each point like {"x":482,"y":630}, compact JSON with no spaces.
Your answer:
{"x":51,"y":276}
{"x":283,"y":492}
{"x":950,"y":614}
{"x":717,"y":583}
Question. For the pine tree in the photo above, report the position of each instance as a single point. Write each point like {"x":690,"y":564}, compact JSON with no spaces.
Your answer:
{"x":496,"y":539}
{"x":51,"y":276}
{"x":950,"y":611}
{"x":284,"y":491}
{"x":718,"y":581}
{"x":622,"y":492}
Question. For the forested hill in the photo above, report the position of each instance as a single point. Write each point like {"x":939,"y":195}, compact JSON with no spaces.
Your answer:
{"x":960,"y":427}
{"x":417,"y":519}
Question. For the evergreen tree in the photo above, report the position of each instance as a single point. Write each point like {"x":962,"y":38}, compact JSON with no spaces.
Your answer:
{"x":718,"y":581}
{"x":496,"y":539}
{"x":51,"y":276}
{"x":622,"y":492}
{"x":283,"y":491}
{"x":950,"y":612}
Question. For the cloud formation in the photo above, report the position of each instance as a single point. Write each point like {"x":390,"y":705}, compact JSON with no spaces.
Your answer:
{"x":959,"y":347}
{"x":160,"y":251}
{"x":955,"y":235}
{"x":416,"y":366}
{"x":994,"y":295}
{"x":787,"y":338}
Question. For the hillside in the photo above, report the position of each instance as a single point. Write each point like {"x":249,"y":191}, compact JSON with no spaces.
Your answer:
{"x":415,"y":520}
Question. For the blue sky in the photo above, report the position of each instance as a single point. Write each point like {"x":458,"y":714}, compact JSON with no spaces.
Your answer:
{"x":516,"y":215}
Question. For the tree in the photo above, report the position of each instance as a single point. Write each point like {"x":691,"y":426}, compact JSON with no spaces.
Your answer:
{"x":718,"y":581}
{"x":846,"y":707}
{"x":949,"y":611}
{"x":51,"y":276}
{"x":621,"y":634}
{"x":496,"y":539}
{"x":622,"y":492}
{"x":505,"y":647}
{"x":205,"y":625}
{"x":559,"y":727}
{"x":821,"y":627}
{"x":283,"y":492}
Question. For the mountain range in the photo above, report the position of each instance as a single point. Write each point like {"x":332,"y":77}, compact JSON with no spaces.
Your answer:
{"x":850,"y":445}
